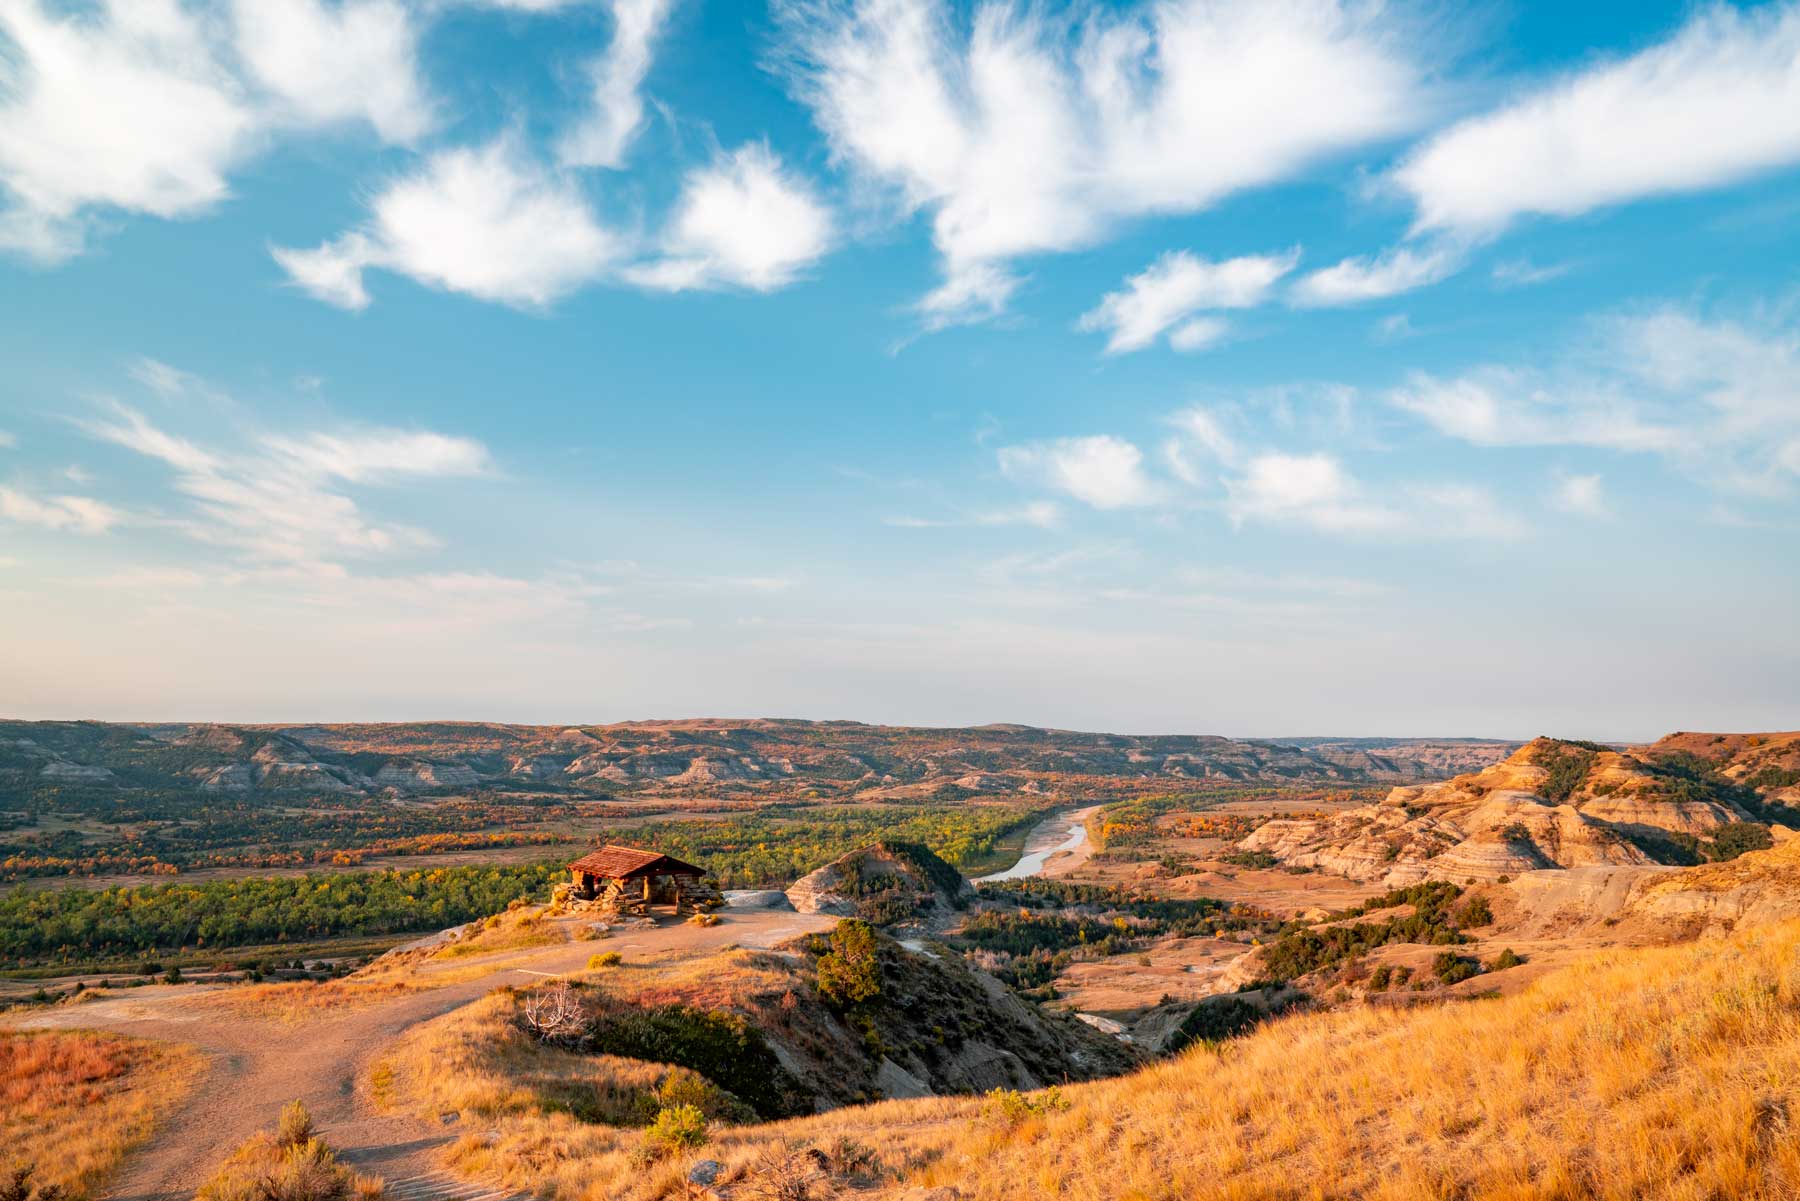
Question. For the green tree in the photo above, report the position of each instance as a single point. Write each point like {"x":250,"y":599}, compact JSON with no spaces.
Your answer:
{"x":850,"y":973}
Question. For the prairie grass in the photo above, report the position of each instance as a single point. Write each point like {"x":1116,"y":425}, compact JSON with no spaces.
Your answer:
{"x":515,"y":929}
{"x":296,"y":1002}
{"x":290,"y":1163}
{"x":1667,"y":1072}
{"x":478,"y":1062}
{"x":72,"y":1103}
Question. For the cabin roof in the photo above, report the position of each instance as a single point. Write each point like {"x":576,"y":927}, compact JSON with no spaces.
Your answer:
{"x":626,"y":863}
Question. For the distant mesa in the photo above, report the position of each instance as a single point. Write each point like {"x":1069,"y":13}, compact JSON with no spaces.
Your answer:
{"x":835,"y":758}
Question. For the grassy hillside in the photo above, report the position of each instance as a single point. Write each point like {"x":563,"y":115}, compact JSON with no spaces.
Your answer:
{"x":72,"y":1103}
{"x":1668,"y":1072}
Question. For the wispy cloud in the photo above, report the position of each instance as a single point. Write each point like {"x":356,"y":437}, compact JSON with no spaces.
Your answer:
{"x":1523,"y":273}
{"x":1584,"y":495}
{"x":1032,"y":134}
{"x":1715,"y":103}
{"x":1177,"y":286}
{"x":73,"y":514}
{"x":1376,"y":277}
{"x":616,"y":109}
{"x":280,"y":498}
{"x":1716,"y":397}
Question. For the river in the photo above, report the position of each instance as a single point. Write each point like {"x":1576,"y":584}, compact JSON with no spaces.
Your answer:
{"x":1065,"y":832}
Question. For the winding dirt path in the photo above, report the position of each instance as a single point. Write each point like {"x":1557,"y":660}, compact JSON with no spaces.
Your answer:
{"x":258,"y":1063}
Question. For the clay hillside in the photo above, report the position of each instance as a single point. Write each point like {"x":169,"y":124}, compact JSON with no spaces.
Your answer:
{"x":821,"y":758}
{"x":889,"y":883}
{"x":1769,"y":763}
{"x":1554,"y":804}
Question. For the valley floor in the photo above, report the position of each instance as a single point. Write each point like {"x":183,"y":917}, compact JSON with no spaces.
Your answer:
{"x":270,"y":1044}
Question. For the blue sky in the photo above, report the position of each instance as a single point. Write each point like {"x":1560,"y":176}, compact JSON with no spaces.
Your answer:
{"x":1260,"y":368}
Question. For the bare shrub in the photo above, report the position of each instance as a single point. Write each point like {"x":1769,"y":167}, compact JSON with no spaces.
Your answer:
{"x":784,"y":1172}
{"x":553,"y":1014}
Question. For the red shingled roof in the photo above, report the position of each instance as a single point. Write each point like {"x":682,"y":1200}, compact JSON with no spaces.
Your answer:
{"x":625,"y":863}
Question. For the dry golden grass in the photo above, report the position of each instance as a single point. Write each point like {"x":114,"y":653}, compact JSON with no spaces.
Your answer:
{"x":1668,"y":1073}
{"x":72,"y":1103}
{"x":296,"y":1002}
{"x":476,"y":1061}
{"x":514,"y":930}
{"x":290,"y":1163}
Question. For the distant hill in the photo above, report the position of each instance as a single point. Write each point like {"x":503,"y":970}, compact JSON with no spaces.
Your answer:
{"x":833,"y":758}
{"x":1552,"y":803}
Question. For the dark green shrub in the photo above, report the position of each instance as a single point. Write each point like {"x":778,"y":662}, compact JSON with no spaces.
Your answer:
{"x":850,"y":974}
{"x":721,"y":1046}
{"x":1452,"y":968}
{"x":1733,"y":839}
{"x":1507,"y":958}
{"x":1215,"y":1021}
{"x":1475,"y":914}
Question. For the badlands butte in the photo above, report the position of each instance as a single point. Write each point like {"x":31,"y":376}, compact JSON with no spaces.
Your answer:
{"x":932,"y":964}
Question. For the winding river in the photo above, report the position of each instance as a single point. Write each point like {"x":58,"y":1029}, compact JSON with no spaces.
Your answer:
{"x":1064,"y":832}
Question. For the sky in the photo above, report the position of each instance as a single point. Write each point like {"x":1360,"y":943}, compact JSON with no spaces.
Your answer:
{"x":1252,"y":367}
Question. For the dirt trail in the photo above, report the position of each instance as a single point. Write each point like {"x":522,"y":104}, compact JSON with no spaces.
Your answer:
{"x":260,"y":1063}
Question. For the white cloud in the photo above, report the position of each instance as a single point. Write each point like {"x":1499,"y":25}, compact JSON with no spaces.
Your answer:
{"x":1523,"y":273}
{"x":1716,"y":103}
{"x":1179,"y":284}
{"x":1496,"y":406}
{"x":8,"y":440}
{"x":487,"y":222}
{"x":602,"y":137}
{"x":280,"y":498}
{"x":1717,"y":398}
{"x":322,"y":65}
{"x":373,"y":455}
{"x":1315,"y":490}
{"x":1102,"y":471}
{"x":1355,"y":280}
{"x":1310,"y":489}
{"x":147,"y":106}
{"x":1581,"y":494}
{"x":1032,"y":134}
{"x":76,"y":514}
{"x":742,"y":221}
{"x":130,"y":429}
{"x":127,"y":107}
{"x":1202,"y":427}
{"x":1200,"y":333}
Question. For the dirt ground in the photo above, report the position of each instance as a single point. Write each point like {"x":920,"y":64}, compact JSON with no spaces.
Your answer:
{"x":260,"y":1058}
{"x":1122,"y":986}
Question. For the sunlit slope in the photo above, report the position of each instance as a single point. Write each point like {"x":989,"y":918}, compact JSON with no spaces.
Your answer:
{"x":1666,"y":1072}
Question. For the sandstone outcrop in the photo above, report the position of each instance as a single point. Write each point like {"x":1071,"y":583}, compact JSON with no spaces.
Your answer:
{"x":1548,"y":805}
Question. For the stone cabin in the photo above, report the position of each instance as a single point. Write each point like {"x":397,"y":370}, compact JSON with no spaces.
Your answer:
{"x":649,"y":876}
